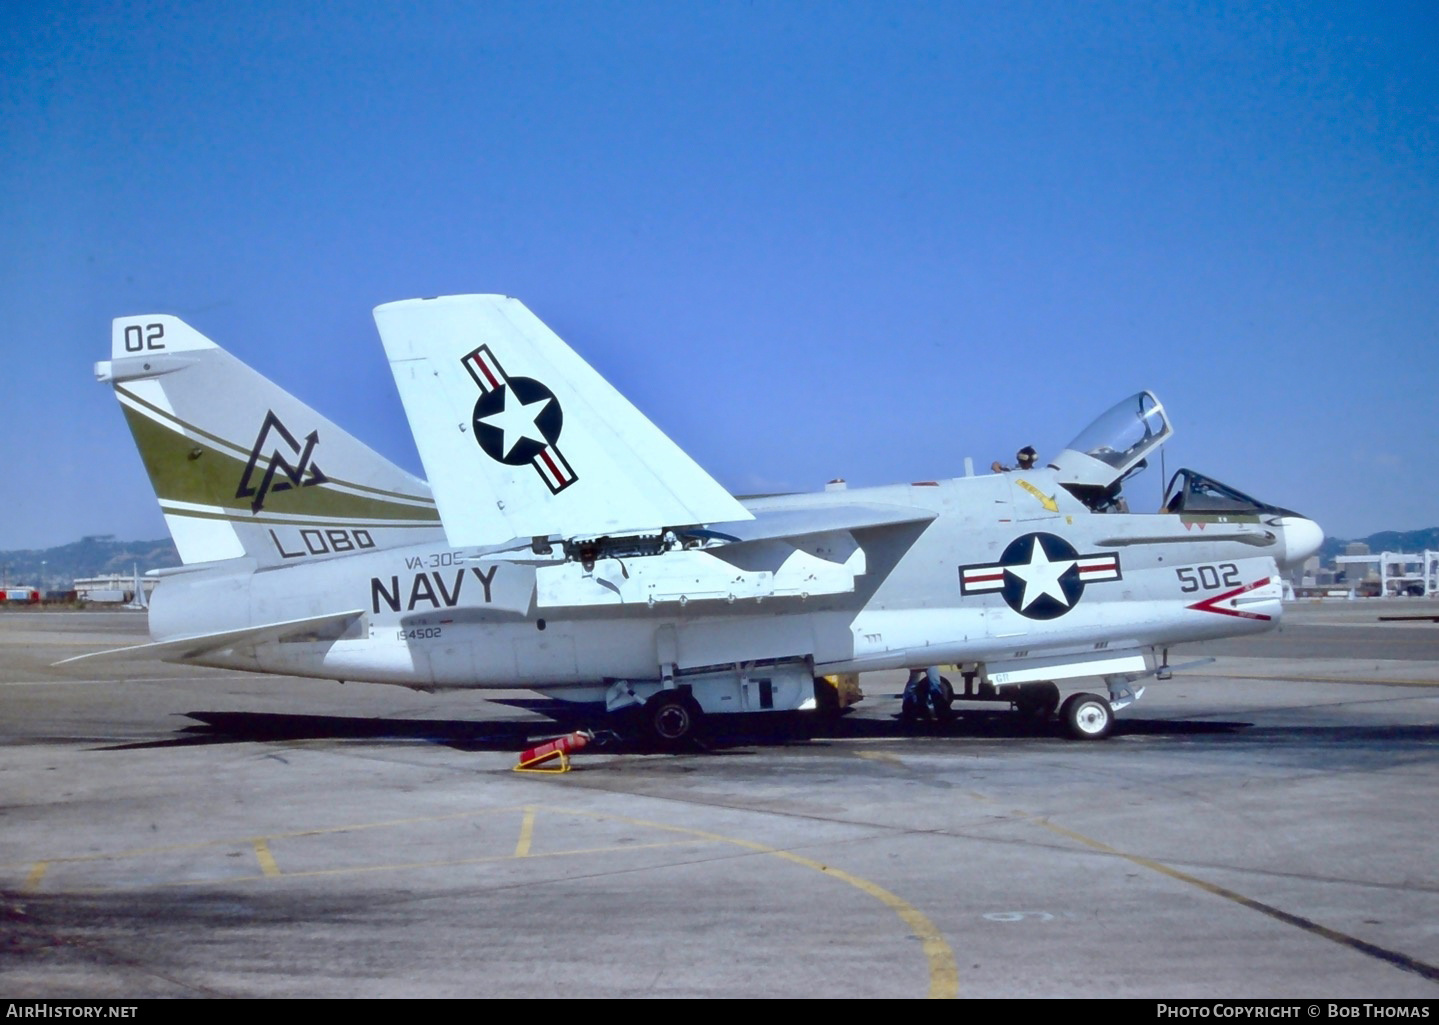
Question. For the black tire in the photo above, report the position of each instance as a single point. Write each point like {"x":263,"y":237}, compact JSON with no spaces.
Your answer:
{"x":1040,"y":700}
{"x":670,"y":719}
{"x":1087,"y":717}
{"x":944,"y":704}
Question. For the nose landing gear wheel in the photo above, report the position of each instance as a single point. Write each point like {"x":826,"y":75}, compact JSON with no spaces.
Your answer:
{"x":1087,"y":716}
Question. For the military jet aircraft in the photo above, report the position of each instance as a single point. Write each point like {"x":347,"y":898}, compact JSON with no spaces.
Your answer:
{"x":565,"y":545}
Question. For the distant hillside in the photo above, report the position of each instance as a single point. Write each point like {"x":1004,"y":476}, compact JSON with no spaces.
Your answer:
{"x":92,"y":556}
{"x":1385,"y":541}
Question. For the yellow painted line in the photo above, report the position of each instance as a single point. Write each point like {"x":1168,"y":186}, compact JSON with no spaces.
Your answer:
{"x":527,"y":832}
{"x":391,"y":823}
{"x":1392,"y":957}
{"x":139,"y":852}
{"x":943,"y":972}
{"x":36,"y":874}
{"x":410,"y":866}
{"x":265,"y":858}
{"x":881,"y":756}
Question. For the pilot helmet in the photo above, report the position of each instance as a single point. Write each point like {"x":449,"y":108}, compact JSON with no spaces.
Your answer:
{"x":1026,"y":457}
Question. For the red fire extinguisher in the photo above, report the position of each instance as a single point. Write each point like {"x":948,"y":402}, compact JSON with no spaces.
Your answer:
{"x":560,"y":747}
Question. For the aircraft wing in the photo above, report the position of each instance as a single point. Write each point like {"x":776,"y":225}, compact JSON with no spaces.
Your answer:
{"x":180,"y":649}
{"x":777,"y":524}
{"x":520,"y":437}
{"x":785,"y":553}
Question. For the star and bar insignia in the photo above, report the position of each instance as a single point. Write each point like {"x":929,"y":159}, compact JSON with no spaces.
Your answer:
{"x":1041,"y":576}
{"x":517,"y":420}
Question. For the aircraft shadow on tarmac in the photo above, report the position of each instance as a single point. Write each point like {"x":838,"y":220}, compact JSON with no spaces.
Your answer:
{"x":728,"y":732}
{"x":1359,"y":747}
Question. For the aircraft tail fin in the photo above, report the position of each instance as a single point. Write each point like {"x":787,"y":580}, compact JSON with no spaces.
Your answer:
{"x":243,"y":469}
{"x":521,"y":437}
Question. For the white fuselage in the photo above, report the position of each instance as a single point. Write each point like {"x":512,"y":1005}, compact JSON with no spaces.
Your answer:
{"x":972,"y":585}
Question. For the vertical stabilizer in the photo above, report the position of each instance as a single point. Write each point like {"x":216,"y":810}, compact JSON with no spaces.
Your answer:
{"x":243,"y":469}
{"x":520,"y":437}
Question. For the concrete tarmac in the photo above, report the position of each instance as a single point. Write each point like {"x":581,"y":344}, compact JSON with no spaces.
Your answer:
{"x":1260,"y":826}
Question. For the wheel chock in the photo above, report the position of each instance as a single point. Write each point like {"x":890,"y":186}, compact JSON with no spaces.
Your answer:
{"x":535,"y":759}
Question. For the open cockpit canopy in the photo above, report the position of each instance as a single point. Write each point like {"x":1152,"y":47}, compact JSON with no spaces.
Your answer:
{"x":1115,"y":446}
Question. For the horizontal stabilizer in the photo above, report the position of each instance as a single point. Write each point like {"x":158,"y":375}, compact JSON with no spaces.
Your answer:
{"x":178,"y":650}
{"x":520,"y":437}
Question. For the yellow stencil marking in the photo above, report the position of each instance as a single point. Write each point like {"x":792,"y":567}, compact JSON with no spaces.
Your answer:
{"x":1044,"y":500}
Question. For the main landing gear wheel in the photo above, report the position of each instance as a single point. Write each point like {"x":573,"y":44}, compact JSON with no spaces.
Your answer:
{"x":1040,"y":700}
{"x":1087,"y":716}
{"x":944,"y":702}
{"x":919,"y":703}
{"x":670,"y":719}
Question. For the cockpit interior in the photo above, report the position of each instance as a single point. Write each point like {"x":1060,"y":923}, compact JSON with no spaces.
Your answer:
{"x":1095,"y":466}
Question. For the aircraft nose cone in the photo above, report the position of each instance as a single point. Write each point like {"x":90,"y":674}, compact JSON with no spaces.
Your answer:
{"x":1302,"y":539}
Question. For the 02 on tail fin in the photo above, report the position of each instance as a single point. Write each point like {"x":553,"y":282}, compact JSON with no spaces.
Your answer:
{"x":520,"y":437}
{"x":243,"y":469}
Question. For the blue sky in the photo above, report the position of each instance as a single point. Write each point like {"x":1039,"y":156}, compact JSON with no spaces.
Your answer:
{"x":808,"y":240}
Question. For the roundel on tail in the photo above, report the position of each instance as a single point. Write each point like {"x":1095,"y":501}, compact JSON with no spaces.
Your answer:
{"x":517,"y":420}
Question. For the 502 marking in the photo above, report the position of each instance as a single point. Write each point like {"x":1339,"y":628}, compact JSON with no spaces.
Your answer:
{"x":420,"y":633}
{"x":1208,"y":578}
